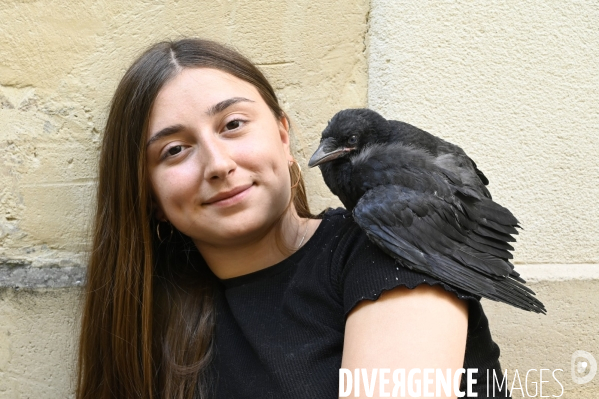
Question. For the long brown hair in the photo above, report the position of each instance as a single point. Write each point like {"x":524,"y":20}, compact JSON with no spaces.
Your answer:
{"x":148,"y":316}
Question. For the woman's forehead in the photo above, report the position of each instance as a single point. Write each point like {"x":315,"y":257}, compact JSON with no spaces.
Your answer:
{"x":205,"y":84}
{"x":198,"y":90}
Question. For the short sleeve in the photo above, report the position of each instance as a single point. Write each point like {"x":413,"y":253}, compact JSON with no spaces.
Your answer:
{"x":364,"y":271}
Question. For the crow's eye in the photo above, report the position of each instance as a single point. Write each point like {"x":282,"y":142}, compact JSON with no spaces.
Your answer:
{"x":352,"y":140}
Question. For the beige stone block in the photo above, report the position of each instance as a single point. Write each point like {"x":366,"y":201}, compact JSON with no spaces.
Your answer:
{"x":514,"y":83}
{"x":8,"y":387}
{"x":4,"y":348}
{"x":43,"y":331}
{"x":57,"y":214}
{"x":530,"y":341}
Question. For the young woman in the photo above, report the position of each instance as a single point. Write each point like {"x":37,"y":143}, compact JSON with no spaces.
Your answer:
{"x":210,"y":278}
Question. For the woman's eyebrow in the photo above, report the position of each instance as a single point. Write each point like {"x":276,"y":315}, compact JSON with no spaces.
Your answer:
{"x":213,"y":110}
{"x":167,"y":131}
{"x":221,"y":106}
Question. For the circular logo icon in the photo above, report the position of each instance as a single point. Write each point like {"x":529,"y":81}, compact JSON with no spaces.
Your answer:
{"x":584,"y":367}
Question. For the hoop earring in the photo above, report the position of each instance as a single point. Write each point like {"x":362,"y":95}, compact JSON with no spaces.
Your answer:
{"x":158,"y":231}
{"x":299,"y":177}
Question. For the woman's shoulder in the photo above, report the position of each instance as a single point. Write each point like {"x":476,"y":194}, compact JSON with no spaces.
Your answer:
{"x":336,"y":218}
{"x":360,"y":270}
{"x":337,"y":229}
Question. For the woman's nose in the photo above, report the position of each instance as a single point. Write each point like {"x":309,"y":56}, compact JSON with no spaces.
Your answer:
{"x":217,"y":160}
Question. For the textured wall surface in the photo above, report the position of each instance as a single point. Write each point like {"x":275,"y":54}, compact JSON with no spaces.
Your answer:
{"x":529,"y":341}
{"x":516,"y":85}
{"x":37,"y":343}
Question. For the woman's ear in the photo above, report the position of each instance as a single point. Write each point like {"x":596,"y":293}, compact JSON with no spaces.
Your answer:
{"x":284,"y":132}
{"x":159,"y":215}
{"x":157,"y":212}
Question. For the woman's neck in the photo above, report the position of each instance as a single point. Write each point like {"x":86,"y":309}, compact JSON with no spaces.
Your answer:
{"x":268,"y":249}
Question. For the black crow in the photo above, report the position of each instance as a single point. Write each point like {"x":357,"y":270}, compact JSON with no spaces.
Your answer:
{"x":423,"y":201}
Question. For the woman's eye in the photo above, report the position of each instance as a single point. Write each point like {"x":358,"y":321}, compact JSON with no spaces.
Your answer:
{"x":174,"y":150}
{"x":352,"y":140}
{"x":234,"y":124}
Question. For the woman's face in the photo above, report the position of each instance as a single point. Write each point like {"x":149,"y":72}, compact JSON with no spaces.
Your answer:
{"x":217,"y":158}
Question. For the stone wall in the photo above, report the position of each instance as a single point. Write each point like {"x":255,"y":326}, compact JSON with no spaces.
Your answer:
{"x":514,"y":83}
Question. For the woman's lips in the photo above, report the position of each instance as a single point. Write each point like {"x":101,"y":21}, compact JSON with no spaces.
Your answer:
{"x":229,"y":197}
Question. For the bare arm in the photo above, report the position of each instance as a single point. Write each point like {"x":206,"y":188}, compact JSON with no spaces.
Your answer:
{"x":423,"y":328}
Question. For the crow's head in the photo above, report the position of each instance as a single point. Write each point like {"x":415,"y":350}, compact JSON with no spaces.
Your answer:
{"x":348,"y":133}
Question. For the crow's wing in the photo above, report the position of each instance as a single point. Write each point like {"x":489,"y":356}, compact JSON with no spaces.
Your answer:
{"x":479,"y":173}
{"x":460,"y":243}
{"x":448,"y":155}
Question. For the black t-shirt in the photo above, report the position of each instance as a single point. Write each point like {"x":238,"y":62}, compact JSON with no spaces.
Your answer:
{"x":279,"y":330}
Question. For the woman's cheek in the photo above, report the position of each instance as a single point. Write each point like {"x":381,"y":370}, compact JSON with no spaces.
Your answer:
{"x":171,"y":191}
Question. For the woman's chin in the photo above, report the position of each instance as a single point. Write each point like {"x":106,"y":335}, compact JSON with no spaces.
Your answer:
{"x":239,"y":229}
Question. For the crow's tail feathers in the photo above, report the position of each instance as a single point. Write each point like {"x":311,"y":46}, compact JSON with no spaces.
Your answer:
{"x":509,"y":290}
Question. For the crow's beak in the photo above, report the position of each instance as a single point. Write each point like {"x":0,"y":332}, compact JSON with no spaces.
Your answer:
{"x":324,"y":154}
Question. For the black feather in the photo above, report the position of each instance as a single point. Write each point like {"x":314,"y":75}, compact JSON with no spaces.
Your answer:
{"x":424,"y":202}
